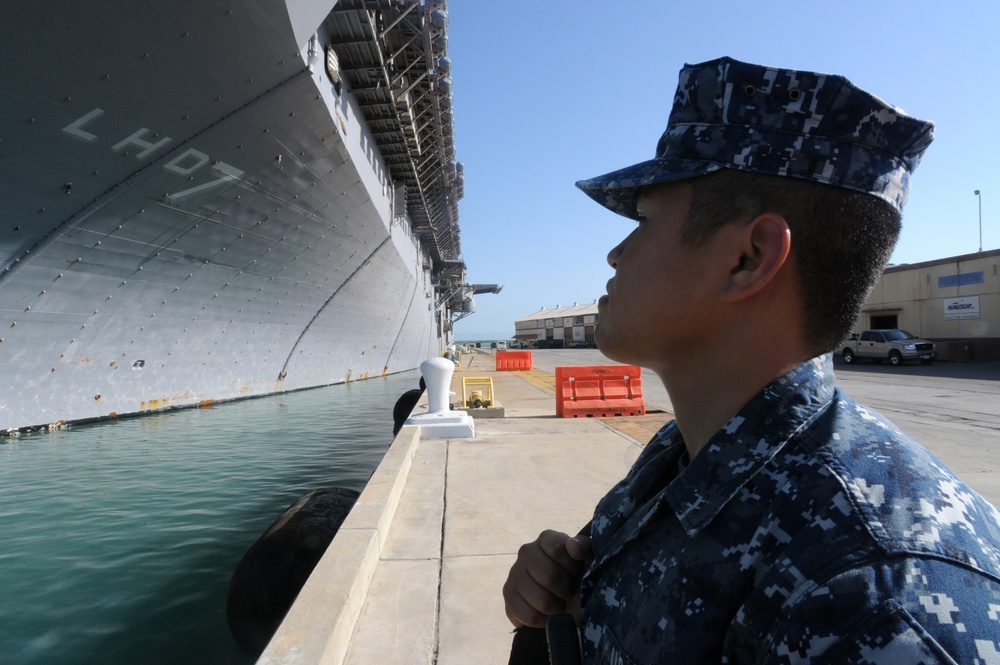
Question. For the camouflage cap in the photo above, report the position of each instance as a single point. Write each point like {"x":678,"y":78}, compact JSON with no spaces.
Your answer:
{"x":729,"y":114}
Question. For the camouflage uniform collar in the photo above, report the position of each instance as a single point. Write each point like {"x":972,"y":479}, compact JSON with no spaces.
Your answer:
{"x":749,"y":440}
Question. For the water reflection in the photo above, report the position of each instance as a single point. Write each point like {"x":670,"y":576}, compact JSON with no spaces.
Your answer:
{"x":120,"y":537}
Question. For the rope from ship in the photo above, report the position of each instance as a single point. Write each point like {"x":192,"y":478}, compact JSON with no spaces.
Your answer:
{"x":305,"y":329}
{"x":416,"y":285}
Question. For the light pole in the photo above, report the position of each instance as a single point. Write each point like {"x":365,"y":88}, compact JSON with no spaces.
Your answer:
{"x":978,"y":196}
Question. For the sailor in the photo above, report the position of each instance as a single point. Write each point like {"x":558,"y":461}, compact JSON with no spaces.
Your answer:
{"x":774,"y":520}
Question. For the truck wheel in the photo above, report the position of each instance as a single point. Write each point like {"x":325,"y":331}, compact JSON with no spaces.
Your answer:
{"x":895,"y":358}
{"x":848,"y":356}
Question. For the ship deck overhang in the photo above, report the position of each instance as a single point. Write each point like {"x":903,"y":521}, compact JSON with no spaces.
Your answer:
{"x":392,"y":56}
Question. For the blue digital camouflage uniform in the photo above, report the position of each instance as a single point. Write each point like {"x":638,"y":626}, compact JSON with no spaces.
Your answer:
{"x":808,"y":530}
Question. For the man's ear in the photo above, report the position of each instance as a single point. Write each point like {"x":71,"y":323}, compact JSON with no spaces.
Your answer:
{"x":763,"y":247}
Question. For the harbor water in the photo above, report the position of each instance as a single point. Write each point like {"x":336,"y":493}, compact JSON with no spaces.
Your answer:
{"x":119,"y":538}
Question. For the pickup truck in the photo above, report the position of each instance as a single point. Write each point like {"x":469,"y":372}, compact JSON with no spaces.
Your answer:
{"x":893,"y":345}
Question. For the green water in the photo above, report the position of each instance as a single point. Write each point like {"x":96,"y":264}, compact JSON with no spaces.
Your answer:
{"x":117,"y":540}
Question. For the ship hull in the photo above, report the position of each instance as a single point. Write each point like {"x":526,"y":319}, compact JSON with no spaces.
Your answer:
{"x":191,"y":214}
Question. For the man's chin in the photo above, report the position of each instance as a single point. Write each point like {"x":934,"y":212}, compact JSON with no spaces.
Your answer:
{"x":618,"y":350}
{"x":607,"y":347}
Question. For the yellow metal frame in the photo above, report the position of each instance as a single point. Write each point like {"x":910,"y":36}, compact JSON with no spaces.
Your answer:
{"x":484,"y":382}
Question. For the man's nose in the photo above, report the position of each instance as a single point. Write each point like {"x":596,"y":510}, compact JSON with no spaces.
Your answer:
{"x":616,"y":253}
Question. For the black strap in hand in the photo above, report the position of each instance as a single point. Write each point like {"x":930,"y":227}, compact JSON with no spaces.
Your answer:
{"x":564,"y":640}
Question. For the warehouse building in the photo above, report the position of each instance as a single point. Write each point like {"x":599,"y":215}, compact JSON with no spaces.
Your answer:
{"x":558,"y":327}
{"x":954,"y":302}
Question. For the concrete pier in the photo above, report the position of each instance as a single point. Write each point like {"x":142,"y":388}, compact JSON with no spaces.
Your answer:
{"x":415,"y":573}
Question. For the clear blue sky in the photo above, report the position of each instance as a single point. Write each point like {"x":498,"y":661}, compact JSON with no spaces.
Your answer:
{"x":548,"y":92}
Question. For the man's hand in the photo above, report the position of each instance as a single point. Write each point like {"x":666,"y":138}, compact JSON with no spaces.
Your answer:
{"x":545,"y":579}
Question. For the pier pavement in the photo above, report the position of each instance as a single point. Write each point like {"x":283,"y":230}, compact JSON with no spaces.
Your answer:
{"x":415,"y":573}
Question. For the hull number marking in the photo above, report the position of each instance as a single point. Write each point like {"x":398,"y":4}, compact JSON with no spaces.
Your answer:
{"x":184,"y":164}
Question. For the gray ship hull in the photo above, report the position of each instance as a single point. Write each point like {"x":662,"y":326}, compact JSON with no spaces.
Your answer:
{"x":194,"y":208}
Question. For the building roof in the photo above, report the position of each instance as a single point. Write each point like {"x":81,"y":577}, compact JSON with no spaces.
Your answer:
{"x":951,"y":259}
{"x":560,"y":312}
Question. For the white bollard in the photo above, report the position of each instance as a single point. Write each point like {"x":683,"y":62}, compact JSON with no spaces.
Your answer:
{"x":440,"y":420}
{"x":437,"y":374}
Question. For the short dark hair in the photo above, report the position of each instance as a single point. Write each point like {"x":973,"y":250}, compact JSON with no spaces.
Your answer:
{"x":841,"y":240}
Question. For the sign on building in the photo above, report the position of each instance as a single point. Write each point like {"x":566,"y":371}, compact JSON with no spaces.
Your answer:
{"x":961,"y":308}
{"x":966,"y":279}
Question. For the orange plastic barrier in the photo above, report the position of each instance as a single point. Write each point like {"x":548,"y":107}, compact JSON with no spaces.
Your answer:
{"x":599,"y":390}
{"x":513,"y":361}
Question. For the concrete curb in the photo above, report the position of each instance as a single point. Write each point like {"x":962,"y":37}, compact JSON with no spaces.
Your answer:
{"x":319,"y":626}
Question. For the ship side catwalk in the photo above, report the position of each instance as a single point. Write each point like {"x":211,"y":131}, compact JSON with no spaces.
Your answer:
{"x":204,"y":200}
